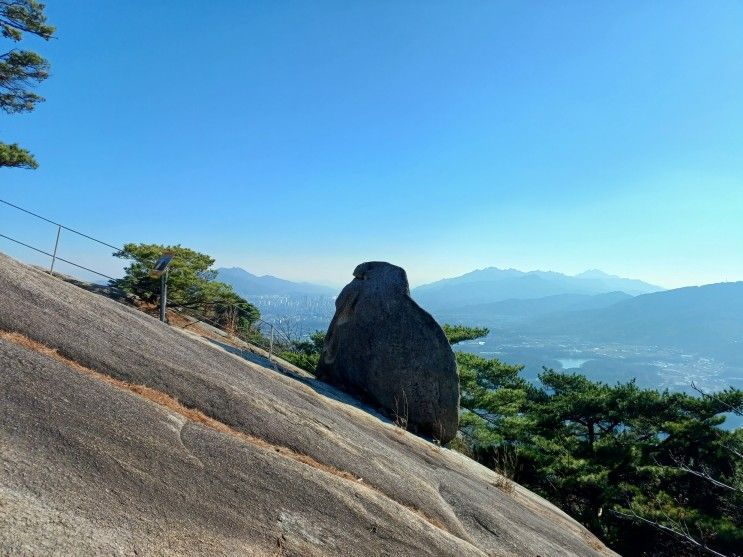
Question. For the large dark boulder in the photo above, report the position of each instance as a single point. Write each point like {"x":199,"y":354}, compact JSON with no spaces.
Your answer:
{"x":383,"y":347}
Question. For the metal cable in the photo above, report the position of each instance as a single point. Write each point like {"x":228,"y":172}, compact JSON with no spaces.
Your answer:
{"x":57,"y":257}
{"x":275,"y":329}
{"x":60,"y":225}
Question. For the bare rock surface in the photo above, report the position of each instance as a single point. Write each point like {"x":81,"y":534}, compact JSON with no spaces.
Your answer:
{"x":385,"y":348}
{"x":217,"y":455}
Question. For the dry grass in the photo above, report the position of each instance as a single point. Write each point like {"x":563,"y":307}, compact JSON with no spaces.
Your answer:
{"x":182,"y":322}
{"x":402,"y":413}
{"x":504,"y":484}
{"x":172,"y":404}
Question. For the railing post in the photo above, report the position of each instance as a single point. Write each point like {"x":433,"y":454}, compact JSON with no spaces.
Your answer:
{"x":163,"y":294}
{"x":270,"y":346}
{"x":56,"y":244}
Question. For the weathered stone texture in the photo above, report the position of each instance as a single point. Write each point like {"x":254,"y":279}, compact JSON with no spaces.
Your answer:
{"x":87,"y":468}
{"x":385,"y":348}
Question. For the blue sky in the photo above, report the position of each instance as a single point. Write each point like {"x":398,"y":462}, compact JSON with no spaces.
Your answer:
{"x":300,"y":139}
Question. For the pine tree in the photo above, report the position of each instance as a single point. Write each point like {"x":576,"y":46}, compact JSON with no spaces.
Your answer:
{"x":20,"y":70}
{"x":651,"y":473}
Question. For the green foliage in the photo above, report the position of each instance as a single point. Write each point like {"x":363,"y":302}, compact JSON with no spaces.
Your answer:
{"x":307,"y":362}
{"x":191,"y":284}
{"x":23,"y":16}
{"x":459,"y":333}
{"x":312,"y":346}
{"x":305,"y":354}
{"x":493,"y":398}
{"x":16,"y":157}
{"x":21,"y":69}
{"x":650,"y":472}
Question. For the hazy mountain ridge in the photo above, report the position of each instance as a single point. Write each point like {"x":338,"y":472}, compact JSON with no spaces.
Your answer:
{"x":696,"y":318}
{"x":248,"y":284}
{"x":592,"y":306}
{"x":525,"y":309}
{"x":490,"y":285}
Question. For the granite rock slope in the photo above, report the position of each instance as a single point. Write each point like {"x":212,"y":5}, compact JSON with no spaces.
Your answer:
{"x":122,"y":435}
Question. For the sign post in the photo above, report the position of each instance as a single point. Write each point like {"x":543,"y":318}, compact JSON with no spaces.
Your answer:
{"x":163,"y":294}
{"x":161,"y":270}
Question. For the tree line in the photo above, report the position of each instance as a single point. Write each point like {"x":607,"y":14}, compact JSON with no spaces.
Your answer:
{"x":649,"y":472}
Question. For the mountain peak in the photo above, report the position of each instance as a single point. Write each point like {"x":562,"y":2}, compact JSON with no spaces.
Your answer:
{"x":595,"y":273}
{"x":492,"y":285}
{"x":247,"y":284}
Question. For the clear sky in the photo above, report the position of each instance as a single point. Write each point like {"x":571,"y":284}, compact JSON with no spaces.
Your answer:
{"x":302,"y":138}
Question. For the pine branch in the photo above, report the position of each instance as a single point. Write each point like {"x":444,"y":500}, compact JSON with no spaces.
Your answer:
{"x":678,"y":530}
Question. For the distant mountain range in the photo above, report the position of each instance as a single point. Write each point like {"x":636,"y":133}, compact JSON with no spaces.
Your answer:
{"x":486,"y":286}
{"x":516,"y":309}
{"x":592,"y":306}
{"x":706,"y":319}
{"x":248,"y":284}
{"x":697,"y":319}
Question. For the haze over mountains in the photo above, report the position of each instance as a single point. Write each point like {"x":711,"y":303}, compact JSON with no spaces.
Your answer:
{"x":481,"y":286}
{"x":301,"y":307}
{"x":610,"y":328}
{"x":518,"y":309}
{"x":490,"y":285}
{"x":247,"y":284}
{"x":594,"y":306}
{"x":543,"y":314}
{"x":704,"y":319}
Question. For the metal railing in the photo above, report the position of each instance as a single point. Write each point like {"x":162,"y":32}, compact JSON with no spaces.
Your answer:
{"x":265,"y":335}
{"x":54,"y":254}
{"x":262,"y":334}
